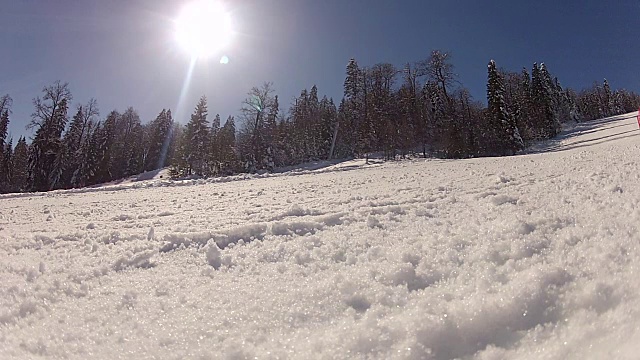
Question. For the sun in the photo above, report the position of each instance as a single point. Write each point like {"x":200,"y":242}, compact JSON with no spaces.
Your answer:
{"x":203,"y":28}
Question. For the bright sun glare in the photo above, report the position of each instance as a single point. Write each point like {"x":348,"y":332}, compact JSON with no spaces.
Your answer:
{"x":203,"y":28}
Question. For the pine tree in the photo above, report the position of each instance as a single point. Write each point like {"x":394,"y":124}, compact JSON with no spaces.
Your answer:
{"x":71,"y":144}
{"x":127,"y":151}
{"x":4,"y":124}
{"x":86,"y":174}
{"x":503,"y":135}
{"x":606,"y":101}
{"x":176,"y":159}
{"x":352,"y":106}
{"x":523,"y":98}
{"x":550,"y":121}
{"x":328,"y":126}
{"x":213,"y":151}
{"x":105,"y":140}
{"x":197,"y":139}
{"x":228,"y":159}
{"x":5,"y":105}
{"x":6,"y":167}
{"x":50,"y":118}
{"x":158,"y":138}
{"x":412,"y":111}
{"x":381,"y":107}
{"x":20,"y":162}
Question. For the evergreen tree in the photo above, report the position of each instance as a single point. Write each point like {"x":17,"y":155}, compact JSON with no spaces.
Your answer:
{"x":382,"y":107}
{"x":20,"y":162}
{"x":351,"y":108}
{"x":157,"y":140}
{"x":503,"y":136}
{"x":197,"y":139}
{"x":213,"y":151}
{"x":606,"y":101}
{"x":4,"y":124}
{"x":541,"y":103}
{"x":72,"y":140}
{"x":328,"y":126}
{"x":228,"y":159}
{"x":71,"y":154}
{"x":177,"y":163}
{"x":88,"y":153}
{"x":6,"y":167}
{"x":5,"y":107}
{"x":550,"y":121}
{"x":523,"y":118}
{"x":49,"y":119}
{"x":105,"y":140}
{"x":127,"y":149}
{"x":412,"y":111}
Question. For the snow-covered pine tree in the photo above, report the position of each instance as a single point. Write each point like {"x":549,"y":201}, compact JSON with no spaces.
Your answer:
{"x":523,"y":97}
{"x":504,"y":137}
{"x":606,"y":101}
{"x":544,"y":121}
{"x":551,"y":122}
{"x":49,"y":119}
{"x":352,"y":109}
{"x":71,"y":143}
{"x":86,"y":172}
{"x":197,"y":138}
{"x":57,"y":146}
{"x":105,"y":135}
{"x":5,"y":104}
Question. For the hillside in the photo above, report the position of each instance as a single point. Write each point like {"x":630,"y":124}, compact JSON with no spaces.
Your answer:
{"x":526,"y":257}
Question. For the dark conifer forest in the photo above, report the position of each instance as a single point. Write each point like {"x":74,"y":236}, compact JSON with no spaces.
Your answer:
{"x":419,"y":109}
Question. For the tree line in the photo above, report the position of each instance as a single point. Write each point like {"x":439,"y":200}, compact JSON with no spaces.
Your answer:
{"x":418,"y":109}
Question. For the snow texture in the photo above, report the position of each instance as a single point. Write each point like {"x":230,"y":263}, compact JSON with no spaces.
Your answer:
{"x":525,"y":257}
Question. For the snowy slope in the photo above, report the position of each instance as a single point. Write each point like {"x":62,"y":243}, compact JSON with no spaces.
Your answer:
{"x":528,"y":257}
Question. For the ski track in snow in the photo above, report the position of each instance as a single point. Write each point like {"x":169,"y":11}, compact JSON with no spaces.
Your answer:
{"x":526,"y":257}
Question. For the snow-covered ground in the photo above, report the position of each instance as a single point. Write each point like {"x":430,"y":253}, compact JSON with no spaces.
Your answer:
{"x":527,"y":257}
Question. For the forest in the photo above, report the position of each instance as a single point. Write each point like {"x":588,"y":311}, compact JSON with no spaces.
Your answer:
{"x":421,"y":109}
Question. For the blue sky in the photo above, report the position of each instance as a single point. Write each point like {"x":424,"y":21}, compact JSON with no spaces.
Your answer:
{"x":123,"y":53}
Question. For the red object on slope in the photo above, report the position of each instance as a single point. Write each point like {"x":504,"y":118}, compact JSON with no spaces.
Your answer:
{"x":638,"y":117}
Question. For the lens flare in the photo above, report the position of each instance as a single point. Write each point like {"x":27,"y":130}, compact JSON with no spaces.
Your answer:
{"x":203,"y":28}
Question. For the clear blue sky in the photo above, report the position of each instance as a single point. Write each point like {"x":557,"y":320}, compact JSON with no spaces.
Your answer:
{"x":123,"y":52}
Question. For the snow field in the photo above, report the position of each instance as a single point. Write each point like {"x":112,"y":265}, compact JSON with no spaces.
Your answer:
{"x":527,"y":257}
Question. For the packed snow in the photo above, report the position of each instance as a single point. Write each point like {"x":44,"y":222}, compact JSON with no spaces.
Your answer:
{"x":533,"y":256}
